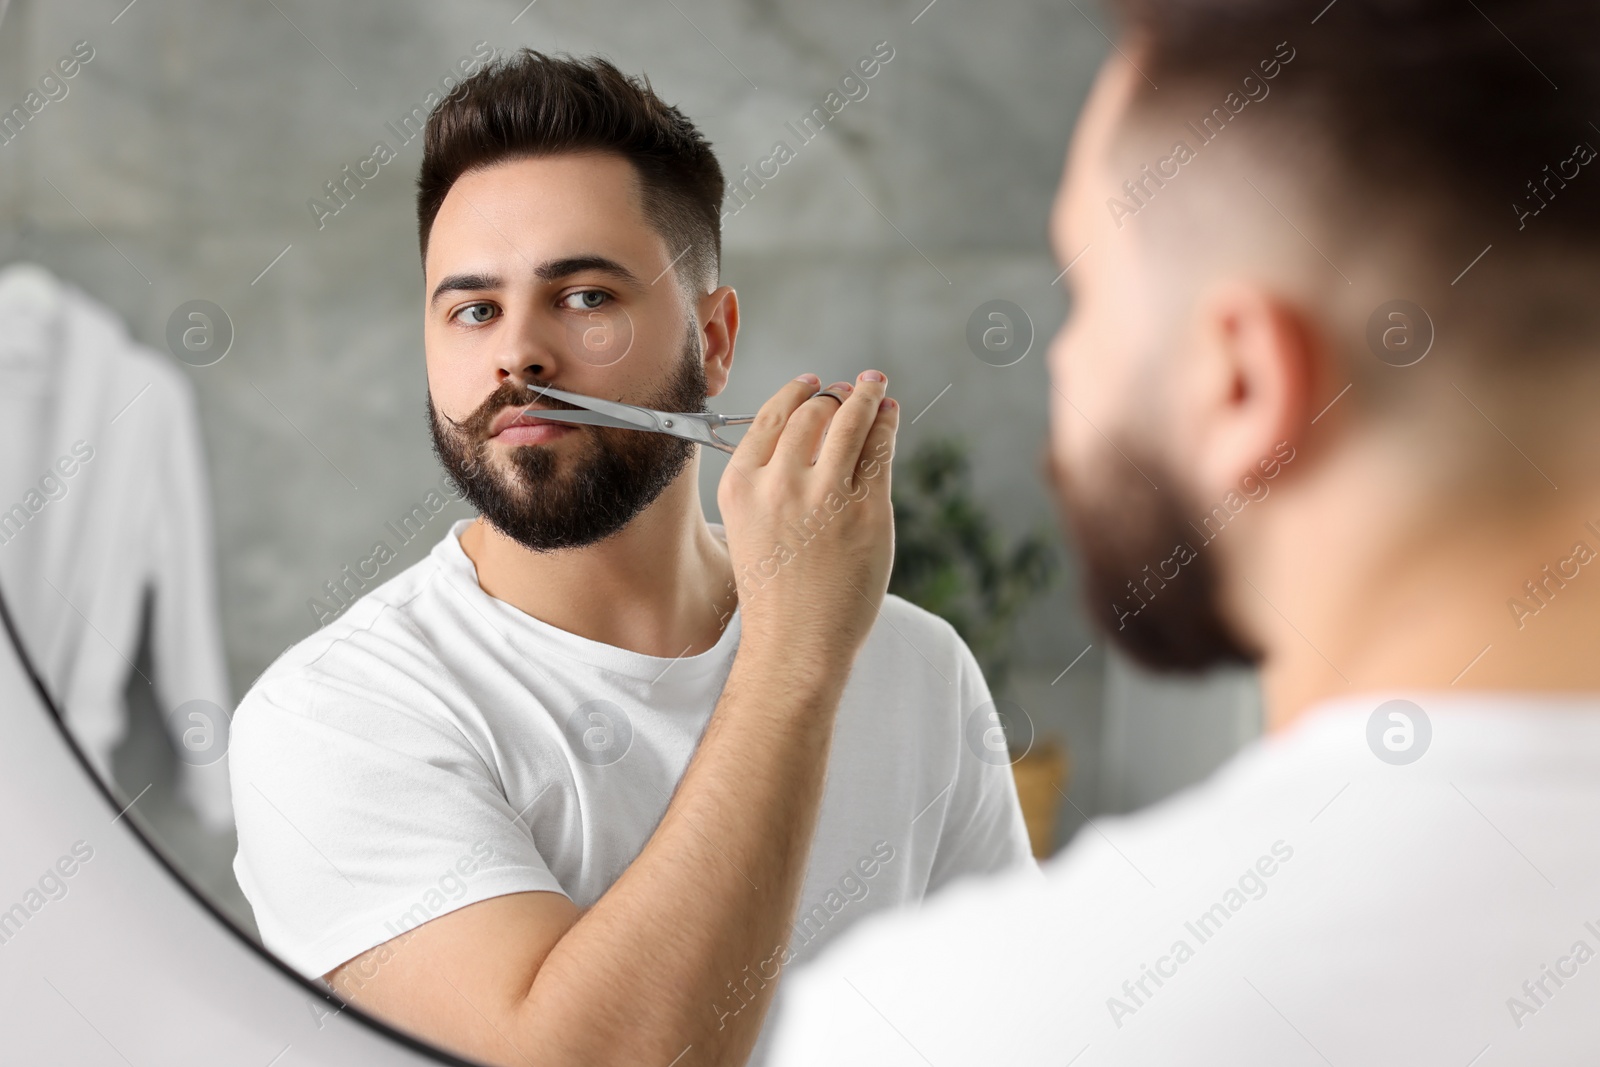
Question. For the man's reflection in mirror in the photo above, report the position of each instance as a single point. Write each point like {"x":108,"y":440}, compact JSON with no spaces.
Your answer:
{"x":577,"y":787}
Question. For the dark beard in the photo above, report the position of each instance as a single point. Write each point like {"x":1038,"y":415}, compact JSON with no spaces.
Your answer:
{"x":615,"y":474}
{"x":1133,"y":532}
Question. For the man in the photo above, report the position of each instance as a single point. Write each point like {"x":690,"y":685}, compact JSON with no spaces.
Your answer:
{"x":1263,"y":461}
{"x":578,"y":787}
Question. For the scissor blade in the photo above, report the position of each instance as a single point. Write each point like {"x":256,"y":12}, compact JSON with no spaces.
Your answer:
{"x":584,"y":418}
{"x":621,"y":414}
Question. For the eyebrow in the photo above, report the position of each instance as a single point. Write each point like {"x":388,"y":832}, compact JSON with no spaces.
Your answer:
{"x":548,"y":271}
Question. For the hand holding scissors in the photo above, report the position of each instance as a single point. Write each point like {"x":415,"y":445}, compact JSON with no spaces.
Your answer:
{"x":698,"y":426}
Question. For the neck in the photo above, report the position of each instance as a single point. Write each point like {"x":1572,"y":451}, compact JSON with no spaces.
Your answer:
{"x":1386,"y":589}
{"x":660,"y":586}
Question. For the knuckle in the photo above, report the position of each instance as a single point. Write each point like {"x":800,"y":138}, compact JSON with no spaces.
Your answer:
{"x":850,"y":417}
{"x":808,"y":416}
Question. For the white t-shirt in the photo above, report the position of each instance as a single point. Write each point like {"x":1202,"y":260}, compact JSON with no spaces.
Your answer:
{"x":1310,"y":904}
{"x":435,"y":746}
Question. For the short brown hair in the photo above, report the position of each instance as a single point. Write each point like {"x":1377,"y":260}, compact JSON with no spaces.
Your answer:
{"x":1420,"y":121}
{"x":1425,"y":101}
{"x":533,"y":104}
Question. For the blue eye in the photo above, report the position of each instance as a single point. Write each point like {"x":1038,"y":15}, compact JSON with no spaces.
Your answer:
{"x":587,"y":300}
{"x":475,"y":314}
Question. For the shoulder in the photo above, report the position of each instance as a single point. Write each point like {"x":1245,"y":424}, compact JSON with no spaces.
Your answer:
{"x":382,"y":652}
{"x":987,"y":948}
{"x":925,"y":975}
{"x":1103,"y":880}
{"x":913,"y":667}
{"x":166,"y":381}
{"x":394,"y":613}
{"x":903,"y":629}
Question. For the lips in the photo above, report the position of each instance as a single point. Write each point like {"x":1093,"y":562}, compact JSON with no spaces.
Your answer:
{"x":522,"y":416}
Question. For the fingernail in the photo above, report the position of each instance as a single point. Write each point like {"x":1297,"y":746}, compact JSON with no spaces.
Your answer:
{"x":871,"y":376}
{"x":809,"y":379}
{"x":888,"y":403}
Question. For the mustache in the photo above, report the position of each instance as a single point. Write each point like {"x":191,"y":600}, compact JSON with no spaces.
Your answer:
{"x":476,"y":425}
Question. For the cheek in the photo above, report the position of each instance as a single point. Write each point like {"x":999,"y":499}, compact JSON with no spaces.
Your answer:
{"x":459,"y":377}
{"x":450,"y":392}
{"x":1086,"y":398}
{"x":1062,"y":416}
{"x":599,"y":338}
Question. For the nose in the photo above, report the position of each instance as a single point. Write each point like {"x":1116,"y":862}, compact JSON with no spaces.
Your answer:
{"x":526,"y":354}
{"x":522,"y":376}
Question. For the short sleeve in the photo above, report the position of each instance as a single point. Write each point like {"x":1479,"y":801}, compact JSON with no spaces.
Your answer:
{"x":359,"y":820}
{"x":983,"y":831}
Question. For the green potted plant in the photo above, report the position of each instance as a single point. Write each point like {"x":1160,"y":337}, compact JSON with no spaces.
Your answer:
{"x":951,"y":559}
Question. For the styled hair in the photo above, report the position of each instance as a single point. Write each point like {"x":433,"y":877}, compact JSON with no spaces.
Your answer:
{"x":1422,"y":97}
{"x":532,"y":104}
{"x":1439,"y":124}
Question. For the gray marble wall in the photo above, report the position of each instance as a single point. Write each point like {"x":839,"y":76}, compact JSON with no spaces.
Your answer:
{"x":180,"y":165}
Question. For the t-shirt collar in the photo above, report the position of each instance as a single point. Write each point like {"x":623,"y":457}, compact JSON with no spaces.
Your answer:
{"x":520,"y":627}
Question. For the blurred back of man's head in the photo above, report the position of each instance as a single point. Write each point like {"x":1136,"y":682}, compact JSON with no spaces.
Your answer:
{"x":1334,"y":324}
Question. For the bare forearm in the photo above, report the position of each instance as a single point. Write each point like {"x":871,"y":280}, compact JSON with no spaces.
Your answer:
{"x":665,"y":959}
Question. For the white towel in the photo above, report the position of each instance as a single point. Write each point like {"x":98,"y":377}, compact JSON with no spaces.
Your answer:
{"x":103,"y":499}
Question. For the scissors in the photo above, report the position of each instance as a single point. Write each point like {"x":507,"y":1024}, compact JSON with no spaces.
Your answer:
{"x":698,"y":426}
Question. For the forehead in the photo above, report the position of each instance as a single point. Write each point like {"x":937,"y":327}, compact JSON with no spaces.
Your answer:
{"x":1079,"y":217}
{"x":533,"y":208}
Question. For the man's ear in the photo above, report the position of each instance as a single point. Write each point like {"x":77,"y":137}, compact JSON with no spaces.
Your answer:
{"x":719,"y":310}
{"x":1258,"y":359}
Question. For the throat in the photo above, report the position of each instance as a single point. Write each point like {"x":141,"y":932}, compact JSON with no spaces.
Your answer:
{"x":668,"y":598}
